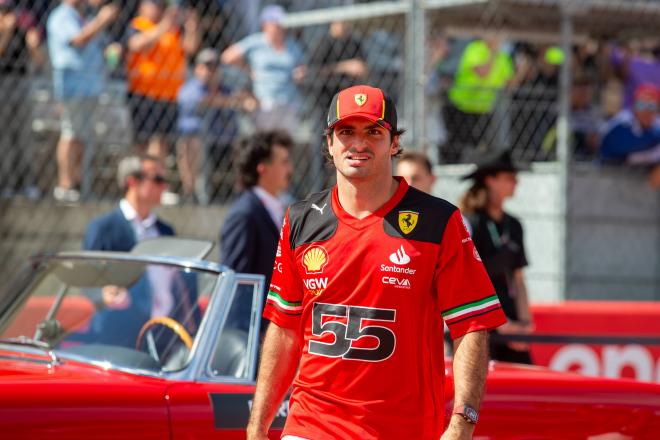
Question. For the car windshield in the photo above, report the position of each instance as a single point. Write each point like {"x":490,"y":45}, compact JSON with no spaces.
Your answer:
{"x":125,"y":314}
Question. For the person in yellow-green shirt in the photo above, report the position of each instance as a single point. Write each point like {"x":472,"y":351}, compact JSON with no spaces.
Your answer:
{"x":483,"y":71}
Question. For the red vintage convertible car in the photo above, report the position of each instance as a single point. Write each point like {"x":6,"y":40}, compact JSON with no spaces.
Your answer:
{"x":82,"y":356}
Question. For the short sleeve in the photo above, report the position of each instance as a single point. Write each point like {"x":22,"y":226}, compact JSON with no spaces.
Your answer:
{"x":285,"y":293}
{"x":62,"y":27}
{"x":466,"y":296}
{"x":247,"y":44}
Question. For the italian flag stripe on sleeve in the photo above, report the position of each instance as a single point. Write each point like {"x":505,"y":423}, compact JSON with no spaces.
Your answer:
{"x":471,"y":309}
{"x":288,"y":307}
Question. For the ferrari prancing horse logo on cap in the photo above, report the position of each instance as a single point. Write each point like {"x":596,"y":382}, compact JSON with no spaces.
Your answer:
{"x":408,"y":221}
{"x":360,"y":99}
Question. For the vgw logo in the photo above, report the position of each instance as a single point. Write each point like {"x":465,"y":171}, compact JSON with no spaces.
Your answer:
{"x":316,"y":283}
{"x":316,"y":286}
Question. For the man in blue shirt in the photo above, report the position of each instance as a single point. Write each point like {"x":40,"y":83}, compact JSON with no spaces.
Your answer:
{"x":276,"y":65}
{"x":75,"y":46}
{"x":207,"y":121}
{"x":632,"y":131}
{"x":633,"y":136}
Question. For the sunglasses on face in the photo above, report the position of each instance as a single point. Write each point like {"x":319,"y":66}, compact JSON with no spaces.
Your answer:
{"x":646,"y":105}
{"x":157,"y":178}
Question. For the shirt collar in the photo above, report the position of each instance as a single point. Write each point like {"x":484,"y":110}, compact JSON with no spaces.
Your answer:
{"x":132,"y":216}
{"x":273,"y":205}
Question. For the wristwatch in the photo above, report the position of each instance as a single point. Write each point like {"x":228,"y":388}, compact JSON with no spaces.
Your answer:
{"x":470,"y":414}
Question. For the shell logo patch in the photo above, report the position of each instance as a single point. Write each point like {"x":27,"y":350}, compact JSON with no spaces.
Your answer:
{"x":315,"y":259}
{"x":408,"y":221}
{"x":360,"y":99}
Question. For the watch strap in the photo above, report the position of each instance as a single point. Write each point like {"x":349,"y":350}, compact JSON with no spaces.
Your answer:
{"x":466,"y":411}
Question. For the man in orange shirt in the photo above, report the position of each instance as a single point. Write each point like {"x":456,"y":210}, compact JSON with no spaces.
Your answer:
{"x":159,"y":40}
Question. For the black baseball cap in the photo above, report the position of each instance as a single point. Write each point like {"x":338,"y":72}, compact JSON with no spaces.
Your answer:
{"x":495,"y":162}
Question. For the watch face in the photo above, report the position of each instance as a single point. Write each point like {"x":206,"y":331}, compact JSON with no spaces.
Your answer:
{"x":471,"y":414}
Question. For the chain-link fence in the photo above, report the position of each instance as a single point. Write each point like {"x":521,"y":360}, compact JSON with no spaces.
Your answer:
{"x":85,"y":82}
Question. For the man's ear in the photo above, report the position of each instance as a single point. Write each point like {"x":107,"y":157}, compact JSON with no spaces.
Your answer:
{"x":260,"y":168}
{"x":328,"y":139}
{"x":394,"y":147}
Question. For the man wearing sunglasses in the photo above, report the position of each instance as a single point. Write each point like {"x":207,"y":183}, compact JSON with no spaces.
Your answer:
{"x":123,"y":311}
{"x":633,"y":136}
{"x":142,"y":179}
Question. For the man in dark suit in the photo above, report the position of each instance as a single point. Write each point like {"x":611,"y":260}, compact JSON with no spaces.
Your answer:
{"x":161,"y":291}
{"x":249,"y":235}
{"x":142,"y":178}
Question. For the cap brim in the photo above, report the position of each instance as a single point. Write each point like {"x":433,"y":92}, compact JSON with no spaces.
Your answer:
{"x":482,"y":172}
{"x":366,"y":116}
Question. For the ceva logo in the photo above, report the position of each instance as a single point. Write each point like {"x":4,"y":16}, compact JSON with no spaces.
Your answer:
{"x":399,"y":283}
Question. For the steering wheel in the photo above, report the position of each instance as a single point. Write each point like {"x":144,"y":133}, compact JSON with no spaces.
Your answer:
{"x":170,"y":323}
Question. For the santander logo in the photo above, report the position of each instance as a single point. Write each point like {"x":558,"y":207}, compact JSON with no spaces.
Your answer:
{"x":400,"y":257}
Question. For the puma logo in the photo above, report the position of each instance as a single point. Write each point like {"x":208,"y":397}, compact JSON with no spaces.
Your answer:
{"x":319,"y":209}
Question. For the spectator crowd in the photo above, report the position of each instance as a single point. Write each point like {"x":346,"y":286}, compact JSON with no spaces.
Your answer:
{"x":197,"y":75}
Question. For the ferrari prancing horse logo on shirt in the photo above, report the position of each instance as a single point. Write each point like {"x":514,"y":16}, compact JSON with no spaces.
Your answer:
{"x":408,"y":221}
{"x":360,"y":99}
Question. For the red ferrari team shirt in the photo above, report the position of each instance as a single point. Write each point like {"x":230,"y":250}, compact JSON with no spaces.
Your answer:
{"x":370,"y":296}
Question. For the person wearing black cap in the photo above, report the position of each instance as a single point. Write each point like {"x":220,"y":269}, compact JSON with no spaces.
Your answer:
{"x":498,"y":236}
{"x":365,"y":275}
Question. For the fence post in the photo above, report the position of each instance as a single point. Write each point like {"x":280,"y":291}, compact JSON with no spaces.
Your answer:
{"x":414,"y":74}
{"x":564,"y":155}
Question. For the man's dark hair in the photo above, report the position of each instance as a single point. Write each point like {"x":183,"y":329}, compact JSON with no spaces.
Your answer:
{"x":253,"y":150}
{"x":329,"y":131}
{"x":418,"y":158}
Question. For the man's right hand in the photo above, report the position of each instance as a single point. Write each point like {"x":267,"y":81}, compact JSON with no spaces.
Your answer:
{"x":115,"y":297}
{"x":8,"y":23}
{"x":170,"y":20}
{"x":108,"y":13}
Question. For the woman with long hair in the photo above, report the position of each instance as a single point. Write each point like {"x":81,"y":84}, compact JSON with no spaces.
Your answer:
{"x":498,"y":237}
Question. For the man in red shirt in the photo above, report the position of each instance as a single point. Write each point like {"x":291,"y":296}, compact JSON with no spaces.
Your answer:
{"x":365,"y":274}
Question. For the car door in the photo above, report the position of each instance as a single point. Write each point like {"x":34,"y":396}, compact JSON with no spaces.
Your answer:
{"x":217,"y":403}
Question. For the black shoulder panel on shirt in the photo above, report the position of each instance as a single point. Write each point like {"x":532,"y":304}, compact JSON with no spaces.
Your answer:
{"x":312,"y":220}
{"x":426,"y":220}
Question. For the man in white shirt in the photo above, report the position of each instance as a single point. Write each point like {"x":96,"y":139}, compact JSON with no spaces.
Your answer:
{"x":142,"y":178}
{"x":249,"y":235}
